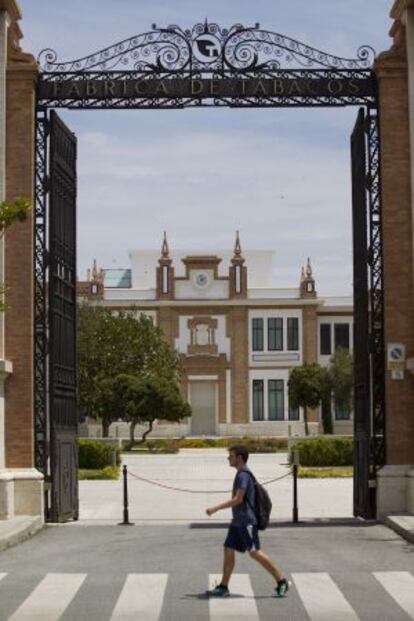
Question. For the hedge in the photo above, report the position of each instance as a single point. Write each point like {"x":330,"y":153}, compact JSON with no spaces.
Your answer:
{"x":95,"y":455}
{"x":107,"y":473}
{"x":255,"y":445}
{"x":323,"y":452}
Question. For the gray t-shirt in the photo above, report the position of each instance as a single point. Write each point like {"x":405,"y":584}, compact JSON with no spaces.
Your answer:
{"x":243,"y":515}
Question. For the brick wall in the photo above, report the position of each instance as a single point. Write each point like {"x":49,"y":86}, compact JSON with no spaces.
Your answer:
{"x":397,"y":243}
{"x":19,"y":267}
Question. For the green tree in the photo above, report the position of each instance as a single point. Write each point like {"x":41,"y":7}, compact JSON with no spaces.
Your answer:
{"x":151,"y":399}
{"x":306,"y":386}
{"x":338,"y":386}
{"x":11,"y":212}
{"x":341,"y":375}
{"x":110,"y":344}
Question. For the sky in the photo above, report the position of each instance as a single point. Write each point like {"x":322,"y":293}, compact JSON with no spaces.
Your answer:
{"x":281,"y":177}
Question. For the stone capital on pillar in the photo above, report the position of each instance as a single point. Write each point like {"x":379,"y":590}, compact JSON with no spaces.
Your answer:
{"x":15,"y":53}
{"x":400,"y":7}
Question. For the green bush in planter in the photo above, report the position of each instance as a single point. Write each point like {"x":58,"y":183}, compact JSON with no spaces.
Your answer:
{"x":96,"y":455}
{"x":323,"y":452}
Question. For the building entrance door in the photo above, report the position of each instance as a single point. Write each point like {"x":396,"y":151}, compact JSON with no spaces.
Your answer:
{"x":203,"y":405}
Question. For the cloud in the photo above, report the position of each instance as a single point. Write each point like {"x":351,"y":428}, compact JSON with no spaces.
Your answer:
{"x":281,"y":176}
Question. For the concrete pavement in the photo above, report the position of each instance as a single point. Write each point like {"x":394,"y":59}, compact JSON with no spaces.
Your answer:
{"x":360,"y":572}
{"x":18,"y":529}
{"x":203,"y":471}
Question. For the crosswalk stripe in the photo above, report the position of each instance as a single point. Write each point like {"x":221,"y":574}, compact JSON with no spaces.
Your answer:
{"x":2,"y":576}
{"x":322,"y":598}
{"x":141,"y":598}
{"x":400,"y":585}
{"x":50,"y":598}
{"x":240,"y":605}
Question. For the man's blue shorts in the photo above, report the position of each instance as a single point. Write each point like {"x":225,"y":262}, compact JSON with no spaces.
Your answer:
{"x":242,"y":538}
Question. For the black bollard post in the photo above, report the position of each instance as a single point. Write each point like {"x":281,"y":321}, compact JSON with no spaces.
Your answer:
{"x":126,"y":521}
{"x":295,"y":486}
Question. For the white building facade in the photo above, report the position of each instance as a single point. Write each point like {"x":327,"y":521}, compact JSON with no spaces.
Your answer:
{"x":237,"y":334}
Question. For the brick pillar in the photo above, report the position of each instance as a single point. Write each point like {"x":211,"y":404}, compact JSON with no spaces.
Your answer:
{"x":168,"y":323}
{"x":222,"y":396}
{"x":21,"y":79}
{"x":239,"y":365}
{"x":396,"y":480}
{"x":310,"y":347}
{"x":397,"y":243}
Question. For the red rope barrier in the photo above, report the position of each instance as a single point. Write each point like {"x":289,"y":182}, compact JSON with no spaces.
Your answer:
{"x":195,"y":491}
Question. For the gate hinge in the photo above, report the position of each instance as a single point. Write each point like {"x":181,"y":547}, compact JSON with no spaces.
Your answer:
{"x":372,"y":483}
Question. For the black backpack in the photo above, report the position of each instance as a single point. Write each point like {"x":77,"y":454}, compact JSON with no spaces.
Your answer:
{"x":263,"y":503}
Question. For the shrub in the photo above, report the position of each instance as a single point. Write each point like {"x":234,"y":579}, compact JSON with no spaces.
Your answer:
{"x":324,"y":452}
{"x":95,"y":455}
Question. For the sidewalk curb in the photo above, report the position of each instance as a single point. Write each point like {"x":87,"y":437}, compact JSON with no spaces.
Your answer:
{"x":19,"y":529}
{"x":402,"y":524}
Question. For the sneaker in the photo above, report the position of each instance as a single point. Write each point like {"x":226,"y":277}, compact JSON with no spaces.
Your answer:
{"x":281,"y":588}
{"x":219,"y":591}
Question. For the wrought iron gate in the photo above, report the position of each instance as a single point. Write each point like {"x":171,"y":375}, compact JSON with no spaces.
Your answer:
{"x":55,"y":354}
{"x":369,"y":418}
{"x":175,"y":68}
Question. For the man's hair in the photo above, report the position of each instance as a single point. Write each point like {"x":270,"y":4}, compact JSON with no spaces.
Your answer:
{"x":241,"y":451}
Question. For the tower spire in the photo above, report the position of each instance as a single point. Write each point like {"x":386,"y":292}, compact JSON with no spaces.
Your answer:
{"x":308,"y":269}
{"x":237,"y":247}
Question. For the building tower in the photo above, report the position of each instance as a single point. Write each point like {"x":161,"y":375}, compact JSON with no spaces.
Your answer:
{"x":237,"y":273}
{"x":307,"y":282}
{"x":165,"y":273}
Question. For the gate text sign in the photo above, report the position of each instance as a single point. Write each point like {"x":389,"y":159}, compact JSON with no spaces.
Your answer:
{"x":63,"y":88}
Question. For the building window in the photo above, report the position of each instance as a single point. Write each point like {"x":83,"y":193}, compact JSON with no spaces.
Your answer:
{"x":165,"y":278}
{"x":342,"y":413}
{"x":293,"y":334}
{"x":342,"y":336}
{"x":258,"y":404}
{"x":276,"y":395}
{"x":325,"y":343}
{"x":294,"y":413}
{"x":275,"y":334}
{"x":257,"y":334}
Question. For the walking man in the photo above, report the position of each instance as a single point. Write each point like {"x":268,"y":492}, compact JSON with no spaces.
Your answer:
{"x":243,"y":533}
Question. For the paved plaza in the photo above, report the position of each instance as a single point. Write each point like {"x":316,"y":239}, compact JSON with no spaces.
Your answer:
{"x":204,"y":471}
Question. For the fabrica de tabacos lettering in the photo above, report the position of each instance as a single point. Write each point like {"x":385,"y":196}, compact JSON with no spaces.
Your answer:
{"x":63,"y":87}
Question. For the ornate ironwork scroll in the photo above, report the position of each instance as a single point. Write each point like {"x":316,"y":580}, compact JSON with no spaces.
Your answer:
{"x":207,"y":66}
{"x":208,"y":48}
{"x":376,"y":290}
{"x":40,"y":304}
